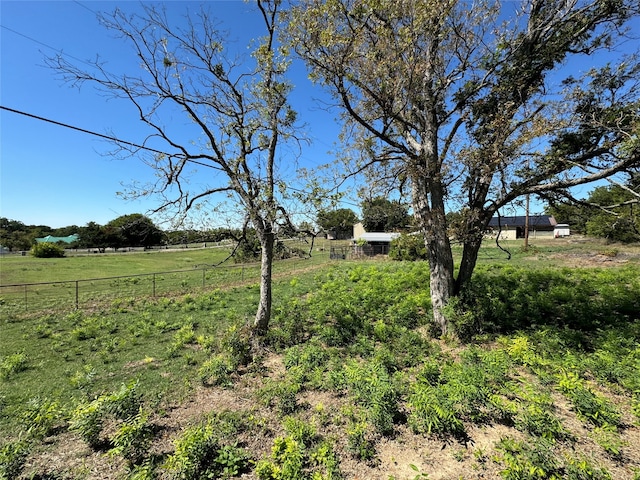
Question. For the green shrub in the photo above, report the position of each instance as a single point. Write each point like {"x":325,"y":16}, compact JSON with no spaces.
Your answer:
{"x":47,"y":250}
{"x":408,"y":247}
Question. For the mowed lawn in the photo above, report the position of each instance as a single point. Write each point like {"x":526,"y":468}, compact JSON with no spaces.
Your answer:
{"x":28,"y":269}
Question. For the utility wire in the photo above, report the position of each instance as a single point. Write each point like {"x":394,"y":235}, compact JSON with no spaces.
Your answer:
{"x":58,"y":51}
{"x":108,"y":137}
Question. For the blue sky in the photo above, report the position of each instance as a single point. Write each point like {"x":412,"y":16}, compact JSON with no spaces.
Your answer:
{"x":56,"y":176}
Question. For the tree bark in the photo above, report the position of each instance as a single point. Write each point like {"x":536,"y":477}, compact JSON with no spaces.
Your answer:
{"x":470,"y":251}
{"x":261,"y":322}
{"x":433,"y":221}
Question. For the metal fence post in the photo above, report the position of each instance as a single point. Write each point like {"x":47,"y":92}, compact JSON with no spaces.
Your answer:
{"x":26,"y":303}
{"x":204,"y":270}
{"x":154,"y":284}
{"x":77,"y":305}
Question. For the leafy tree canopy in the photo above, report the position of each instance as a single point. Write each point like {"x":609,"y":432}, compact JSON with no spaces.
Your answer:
{"x":383,"y":215}
{"x":462,"y":104}
{"x":339,"y":221}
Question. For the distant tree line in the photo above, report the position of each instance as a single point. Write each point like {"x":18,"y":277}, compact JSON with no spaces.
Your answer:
{"x":134,"y":230}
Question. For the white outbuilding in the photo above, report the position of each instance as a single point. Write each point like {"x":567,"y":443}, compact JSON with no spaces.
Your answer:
{"x":561,"y":230}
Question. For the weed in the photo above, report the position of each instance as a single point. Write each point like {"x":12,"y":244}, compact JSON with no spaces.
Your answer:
{"x":432,"y":412}
{"x":582,"y":469}
{"x":608,"y":438}
{"x":12,"y":364}
{"x":419,"y":474}
{"x":133,"y":437}
{"x":41,"y":417}
{"x":235,"y":343}
{"x":373,"y":388}
{"x":199,"y":454}
{"x":324,"y":457}
{"x":299,"y":430}
{"x":182,"y":337}
{"x":360,"y":442}
{"x":88,"y":419}
{"x":286,"y":463}
{"x":13,"y":456}
{"x":83,"y":378}
{"x":282,"y":395}
{"x":194,"y":451}
{"x":587,"y":404}
{"x":216,"y":370}
{"x":531,"y":461}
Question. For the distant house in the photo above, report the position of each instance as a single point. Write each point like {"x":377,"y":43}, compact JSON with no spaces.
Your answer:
{"x":371,"y":243}
{"x":513,"y":227}
{"x":52,"y":239}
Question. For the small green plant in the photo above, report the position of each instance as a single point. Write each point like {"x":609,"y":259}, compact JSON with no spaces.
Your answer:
{"x":419,"y":474}
{"x":286,"y":461}
{"x":88,"y":419}
{"x":281,"y":395}
{"x":12,"y":364}
{"x":41,"y":417}
{"x":608,"y":437}
{"x":235,"y":343}
{"x":133,"y":437}
{"x":582,"y":469}
{"x":194,"y":452}
{"x":13,"y":456}
{"x":528,"y":461}
{"x":216,"y":370}
{"x":359,"y":441}
{"x":372,"y":388}
{"x":586,"y":403}
{"x":83,"y":378}
{"x":199,"y":454}
{"x":432,"y":412}
{"x":182,"y":337}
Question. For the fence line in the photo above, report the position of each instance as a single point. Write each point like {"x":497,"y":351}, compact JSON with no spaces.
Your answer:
{"x":90,"y":292}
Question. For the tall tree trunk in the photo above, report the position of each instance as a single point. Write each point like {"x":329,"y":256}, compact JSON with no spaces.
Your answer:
{"x":434,"y":226}
{"x":468,"y":263}
{"x":261,"y":322}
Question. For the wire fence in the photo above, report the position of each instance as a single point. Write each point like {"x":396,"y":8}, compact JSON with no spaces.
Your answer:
{"x":96,"y":292}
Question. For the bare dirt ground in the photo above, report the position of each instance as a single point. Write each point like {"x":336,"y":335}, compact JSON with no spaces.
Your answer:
{"x":441,"y":459}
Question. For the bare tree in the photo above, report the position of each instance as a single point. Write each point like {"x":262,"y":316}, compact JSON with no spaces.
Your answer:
{"x":237,"y":111}
{"x":455,"y":98}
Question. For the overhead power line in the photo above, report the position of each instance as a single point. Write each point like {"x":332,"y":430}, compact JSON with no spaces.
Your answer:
{"x":107,"y":137}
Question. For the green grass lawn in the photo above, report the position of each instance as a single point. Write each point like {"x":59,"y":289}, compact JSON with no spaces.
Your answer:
{"x":544,"y":382}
